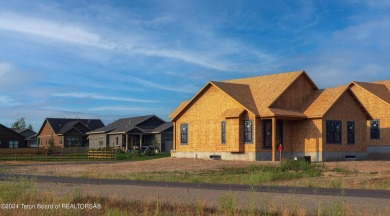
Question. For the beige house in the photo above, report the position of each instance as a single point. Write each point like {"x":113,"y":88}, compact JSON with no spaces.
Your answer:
{"x":247,"y":119}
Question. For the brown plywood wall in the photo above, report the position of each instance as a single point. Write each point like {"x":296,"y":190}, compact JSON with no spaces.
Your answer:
{"x":295,"y":95}
{"x":347,"y":109}
{"x":204,"y":118}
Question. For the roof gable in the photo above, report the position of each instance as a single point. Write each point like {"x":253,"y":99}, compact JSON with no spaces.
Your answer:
{"x":12,"y":131}
{"x":126,"y":125}
{"x":58,"y":124}
{"x":232,"y":90}
{"x":254,"y":94}
{"x":266,"y":89}
{"x":379,"y":89}
{"x":321,"y":101}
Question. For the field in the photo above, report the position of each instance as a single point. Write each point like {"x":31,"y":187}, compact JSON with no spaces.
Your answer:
{"x":352,"y":174}
{"x":120,"y":200}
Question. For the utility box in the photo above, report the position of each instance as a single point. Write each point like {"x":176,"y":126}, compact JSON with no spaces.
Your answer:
{"x":307,"y":159}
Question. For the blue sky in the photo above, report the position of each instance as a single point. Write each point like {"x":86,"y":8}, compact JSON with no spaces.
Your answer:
{"x":112,"y":59}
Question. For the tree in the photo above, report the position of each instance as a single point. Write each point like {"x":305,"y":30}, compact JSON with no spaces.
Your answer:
{"x":30,"y":127}
{"x":19,"y":124}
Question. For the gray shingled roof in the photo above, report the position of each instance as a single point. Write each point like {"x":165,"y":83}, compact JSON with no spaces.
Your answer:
{"x":59,"y":124}
{"x":163,"y":127}
{"x":125,"y":125}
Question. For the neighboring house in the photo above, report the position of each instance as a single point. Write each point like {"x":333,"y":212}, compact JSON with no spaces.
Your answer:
{"x":10,"y":138}
{"x":132,"y":132}
{"x":247,"y":119}
{"x":29,"y":135}
{"x":66,"y":132}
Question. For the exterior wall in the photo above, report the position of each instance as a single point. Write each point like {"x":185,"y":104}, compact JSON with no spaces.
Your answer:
{"x":347,"y":109}
{"x":378,"y":109}
{"x":45,"y":135}
{"x":7,"y":135}
{"x":295,"y":95}
{"x":303,"y":136}
{"x":243,"y":156}
{"x":204,"y":118}
{"x":166,"y":141}
{"x":112,"y":140}
{"x":94,"y":141}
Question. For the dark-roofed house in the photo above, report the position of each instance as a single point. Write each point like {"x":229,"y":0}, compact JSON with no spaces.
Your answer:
{"x":67,"y":132}
{"x":132,"y":132}
{"x":29,"y":135}
{"x":247,"y":119}
{"x":10,"y":139}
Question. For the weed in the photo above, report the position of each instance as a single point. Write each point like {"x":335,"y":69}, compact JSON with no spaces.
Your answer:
{"x":227,"y":203}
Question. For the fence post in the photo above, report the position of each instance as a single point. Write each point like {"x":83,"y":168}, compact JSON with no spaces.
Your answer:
{"x":16,"y":157}
{"x":30,"y":155}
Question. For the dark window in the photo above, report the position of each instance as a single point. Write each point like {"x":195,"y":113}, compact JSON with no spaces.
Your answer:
{"x":13,"y":144}
{"x":117,"y":140}
{"x":267,"y":134}
{"x":223,"y":132}
{"x":351,"y":132}
{"x":248,"y":131}
{"x":333,"y":132}
{"x":184,"y":133}
{"x":374,"y":129}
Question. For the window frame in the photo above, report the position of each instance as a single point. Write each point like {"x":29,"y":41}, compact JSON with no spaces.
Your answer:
{"x":377,"y":129}
{"x":223,"y":132}
{"x":334,"y":132}
{"x":247,"y":141}
{"x":349,"y":133}
{"x":184,"y":128}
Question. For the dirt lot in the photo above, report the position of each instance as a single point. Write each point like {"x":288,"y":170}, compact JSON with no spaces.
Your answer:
{"x":172,"y":164}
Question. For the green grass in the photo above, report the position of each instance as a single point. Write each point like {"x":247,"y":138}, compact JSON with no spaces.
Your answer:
{"x":251,"y":175}
{"x":23,"y":191}
{"x":79,"y":157}
{"x":132,"y":157}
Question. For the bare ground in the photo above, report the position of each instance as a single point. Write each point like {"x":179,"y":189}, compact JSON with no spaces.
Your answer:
{"x":346,"y":174}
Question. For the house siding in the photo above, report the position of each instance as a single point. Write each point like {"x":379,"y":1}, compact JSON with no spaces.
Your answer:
{"x":7,"y":135}
{"x":378,"y":109}
{"x":94,"y":141}
{"x":346,"y":109}
{"x":204,"y":118}
{"x":45,"y":135}
{"x":295,"y":94}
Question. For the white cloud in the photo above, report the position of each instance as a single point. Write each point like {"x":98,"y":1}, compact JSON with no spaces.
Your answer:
{"x":50,"y":29}
{"x":184,"y":89}
{"x":6,"y":101}
{"x":102,"y":97}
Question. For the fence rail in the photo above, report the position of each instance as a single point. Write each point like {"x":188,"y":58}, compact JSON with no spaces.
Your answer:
{"x":105,"y":153}
{"x":41,"y":154}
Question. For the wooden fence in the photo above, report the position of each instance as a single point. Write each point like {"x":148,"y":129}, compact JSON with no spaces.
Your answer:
{"x":42,"y":154}
{"x":102,"y":153}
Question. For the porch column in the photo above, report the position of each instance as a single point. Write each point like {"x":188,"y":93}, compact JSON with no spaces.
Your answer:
{"x":140,"y":141}
{"x":127,"y":142}
{"x":274,"y":139}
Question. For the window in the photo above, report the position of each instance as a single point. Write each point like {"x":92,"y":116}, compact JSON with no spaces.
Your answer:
{"x":351,"y":132}
{"x":248,"y":128}
{"x":117,"y":140}
{"x":333,"y":132}
{"x":13,"y":144}
{"x":223,"y":132}
{"x":100,"y":141}
{"x":72,"y":142}
{"x":184,"y":133}
{"x":374,"y":129}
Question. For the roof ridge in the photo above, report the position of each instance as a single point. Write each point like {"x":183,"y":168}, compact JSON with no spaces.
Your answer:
{"x":266,"y":75}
